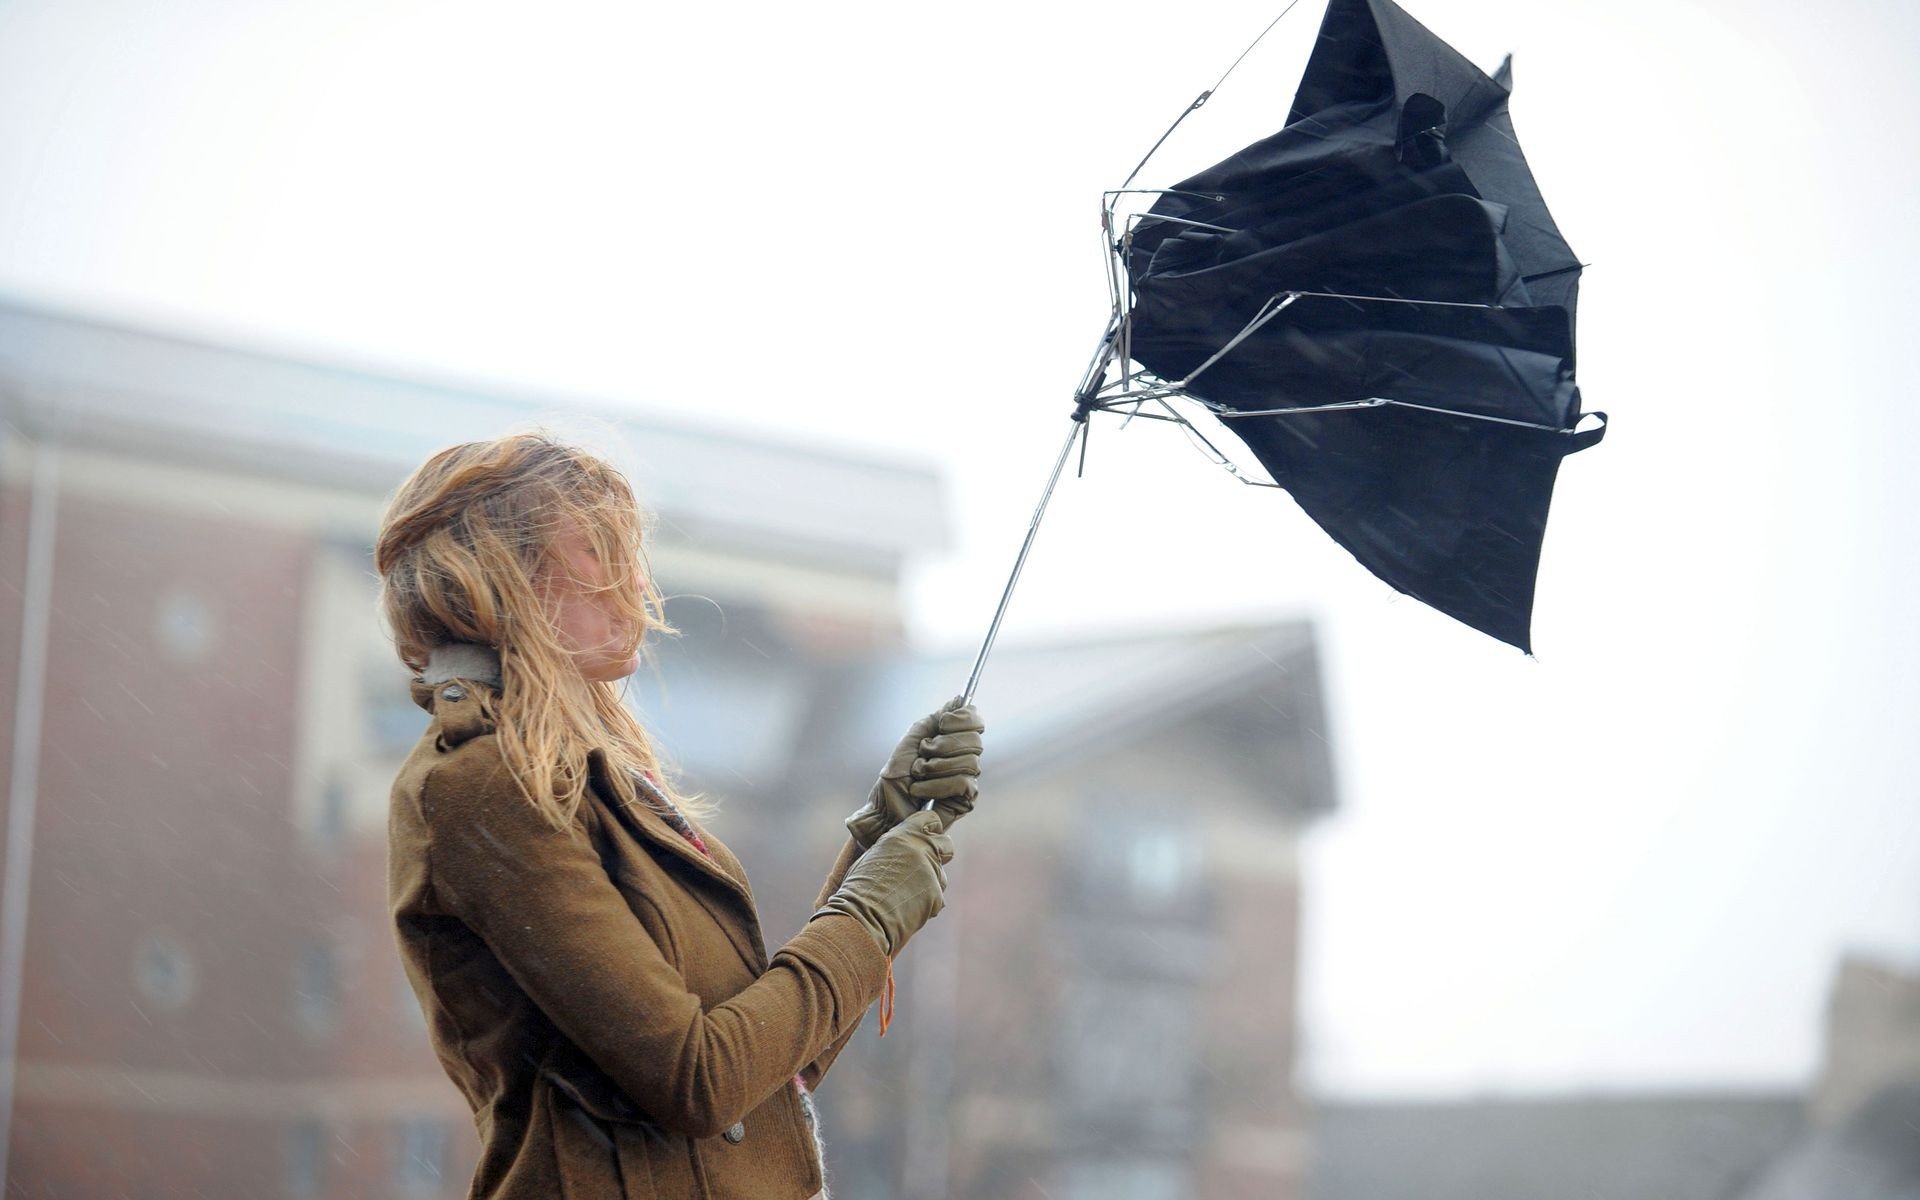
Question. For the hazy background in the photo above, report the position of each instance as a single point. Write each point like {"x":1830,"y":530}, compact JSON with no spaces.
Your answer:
{"x":1630,"y":861}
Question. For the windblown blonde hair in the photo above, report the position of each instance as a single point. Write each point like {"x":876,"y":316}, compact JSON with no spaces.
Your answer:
{"x":462,"y":547}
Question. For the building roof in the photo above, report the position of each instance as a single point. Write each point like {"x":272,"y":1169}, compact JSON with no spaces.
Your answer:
{"x":1049,"y":697}
{"x":165,"y":396}
{"x":750,"y":718}
{"x":1620,"y":1147}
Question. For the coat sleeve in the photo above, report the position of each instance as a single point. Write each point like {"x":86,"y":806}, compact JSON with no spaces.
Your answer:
{"x":543,"y":903}
{"x":812,"y":1073}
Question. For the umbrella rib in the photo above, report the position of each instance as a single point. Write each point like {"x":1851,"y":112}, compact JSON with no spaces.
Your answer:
{"x":1097,"y":365}
{"x":1210,"y":451}
{"x":1226,"y":413}
{"x":1114,"y":265}
{"x":1112,"y":192}
{"x":1454,"y":412}
{"x":1234,"y":414}
{"x":1184,"y":113}
{"x":1399,"y":300}
{"x":1120,"y":409}
{"x":1579,"y":266}
{"x":1250,"y":47}
{"x":1122,"y":306}
{"x":1136,"y":218}
{"x":1203,"y":96}
{"x":1268,"y":312}
{"x":1219,"y":458}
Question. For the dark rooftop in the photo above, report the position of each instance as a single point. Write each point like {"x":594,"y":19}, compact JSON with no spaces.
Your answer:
{"x":1691,"y":1146}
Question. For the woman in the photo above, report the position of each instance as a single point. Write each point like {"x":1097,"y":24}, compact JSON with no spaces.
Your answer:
{"x":587,"y":953}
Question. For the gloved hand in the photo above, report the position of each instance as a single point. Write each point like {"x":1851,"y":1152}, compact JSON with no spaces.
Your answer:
{"x":899,"y":884}
{"x":938,"y":760}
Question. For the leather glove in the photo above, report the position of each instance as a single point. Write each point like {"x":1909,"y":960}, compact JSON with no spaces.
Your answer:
{"x":899,"y":884}
{"x":937,"y":760}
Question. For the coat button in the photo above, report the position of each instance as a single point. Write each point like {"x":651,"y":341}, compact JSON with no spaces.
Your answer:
{"x":453,"y":691}
{"x":736,"y":1133}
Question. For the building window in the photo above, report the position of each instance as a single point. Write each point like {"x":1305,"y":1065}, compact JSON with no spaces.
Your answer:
{"x":394,"y":721}
{"x":183,"y":626}
{"x":1130,"y":1060}
{"x":420,"y":1154}
{"x":1162,"y":864}
{"x":316,"y":986}
{"x":163,"y":971}
{"x":303,"y":1158}
{"x":1147,"y":863}
{"x":330,"y":824}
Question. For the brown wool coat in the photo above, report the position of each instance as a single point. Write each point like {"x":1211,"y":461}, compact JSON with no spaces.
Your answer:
{"x":603,"y":998}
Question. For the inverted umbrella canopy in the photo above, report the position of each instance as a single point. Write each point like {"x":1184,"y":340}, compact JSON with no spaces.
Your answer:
{"x":1376,"y":301}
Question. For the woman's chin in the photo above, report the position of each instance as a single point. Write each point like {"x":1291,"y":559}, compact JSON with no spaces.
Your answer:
{"x":609,"y":669}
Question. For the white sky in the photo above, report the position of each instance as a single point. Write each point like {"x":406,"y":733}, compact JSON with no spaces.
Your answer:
{"x":1631,"y":861}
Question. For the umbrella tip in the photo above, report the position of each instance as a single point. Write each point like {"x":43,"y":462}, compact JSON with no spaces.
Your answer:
{"x":1504,"y":74}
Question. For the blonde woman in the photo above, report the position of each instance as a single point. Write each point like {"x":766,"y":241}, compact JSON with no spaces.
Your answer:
{"x":586,"y":951}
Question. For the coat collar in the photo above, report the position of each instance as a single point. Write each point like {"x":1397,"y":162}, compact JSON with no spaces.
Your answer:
{"x":462,"y":660}
{"x":471,"y":661}
{"x":475,"y":662}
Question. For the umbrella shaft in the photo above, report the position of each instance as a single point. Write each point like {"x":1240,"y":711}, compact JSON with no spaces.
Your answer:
{"x":1033,"y":527}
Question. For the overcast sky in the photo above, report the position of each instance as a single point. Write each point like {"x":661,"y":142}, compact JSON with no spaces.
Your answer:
{"x":1630,"y":861}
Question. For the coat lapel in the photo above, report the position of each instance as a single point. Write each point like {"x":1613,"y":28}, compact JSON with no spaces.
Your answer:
{"x":649,"y":825}
{"x":646,"y":825}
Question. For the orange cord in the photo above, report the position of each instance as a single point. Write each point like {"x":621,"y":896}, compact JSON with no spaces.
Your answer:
{"x":886,"y":999}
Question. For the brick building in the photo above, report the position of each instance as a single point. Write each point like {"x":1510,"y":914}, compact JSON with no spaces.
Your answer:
{"x":200,"y":719}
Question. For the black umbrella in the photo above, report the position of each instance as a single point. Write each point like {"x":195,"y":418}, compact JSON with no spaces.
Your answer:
{"x":1376,"y":301}
{"x":1419,"y":379}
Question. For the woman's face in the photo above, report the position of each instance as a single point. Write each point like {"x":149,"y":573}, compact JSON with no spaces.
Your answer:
{"x":585,"y":620}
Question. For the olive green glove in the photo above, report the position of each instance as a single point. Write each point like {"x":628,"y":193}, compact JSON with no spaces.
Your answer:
{"x":899,"y":884}
{"x":938,"y":760}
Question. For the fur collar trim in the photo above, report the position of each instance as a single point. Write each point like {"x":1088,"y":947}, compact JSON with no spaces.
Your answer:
{"x":473,"y":661}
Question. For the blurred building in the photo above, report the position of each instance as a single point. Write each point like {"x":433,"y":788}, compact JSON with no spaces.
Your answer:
{"x":1863,"y":1135}
{"x":1109,"y":1011}
{"x":1872,"y":1037}
{"x":1625,"y":1146}
{"x":200,"y":720}
{"x":1854,"y":1136}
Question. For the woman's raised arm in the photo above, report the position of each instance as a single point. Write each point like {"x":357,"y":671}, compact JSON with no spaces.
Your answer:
{"x":541,"y":900}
